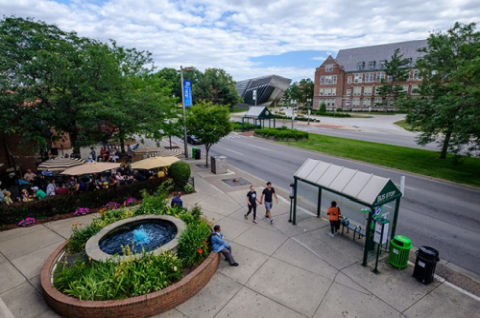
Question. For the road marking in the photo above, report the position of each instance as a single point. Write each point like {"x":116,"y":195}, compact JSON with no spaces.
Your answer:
{"x":238,"y":153}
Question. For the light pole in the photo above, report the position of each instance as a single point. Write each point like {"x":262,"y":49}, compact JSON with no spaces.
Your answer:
{"x":309,"y":105}
{"x":183,"y":108}
{"x":184,"y":117}
{"x":293,"y":102}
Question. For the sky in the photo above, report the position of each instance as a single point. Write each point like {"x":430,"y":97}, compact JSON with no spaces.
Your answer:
{"x":248,"y":38}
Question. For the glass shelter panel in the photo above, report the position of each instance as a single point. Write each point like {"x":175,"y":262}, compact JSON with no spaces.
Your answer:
{"x":307,"y":201}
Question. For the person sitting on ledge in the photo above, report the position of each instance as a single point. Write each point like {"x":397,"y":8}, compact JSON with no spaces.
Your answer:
{"x":220,"y":246}
{"x":177,"y":201}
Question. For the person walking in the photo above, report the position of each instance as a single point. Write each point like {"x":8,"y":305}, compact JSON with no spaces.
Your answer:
{"x":269,"y":193}
{"x":333,"y":215}
{"x":220,"y":246}
{"x":252,"y":200}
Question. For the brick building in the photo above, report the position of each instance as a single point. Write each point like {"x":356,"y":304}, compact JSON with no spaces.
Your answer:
{"x":349,"y":81}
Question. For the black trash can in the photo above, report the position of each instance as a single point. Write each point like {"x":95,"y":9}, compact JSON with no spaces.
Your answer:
{"x":198,"y":153}
{"x":425,"y":264}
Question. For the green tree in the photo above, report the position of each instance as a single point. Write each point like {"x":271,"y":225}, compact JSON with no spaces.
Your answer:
{"x":51,"y":79}
{"x":447,"y":110}
{"x":172,"y":79}
{"x":306,"y":86}
{"x":292,"y":93}
{"x":396,"y":71}
{"x":215,"y":86}
{"x":209,"y":123}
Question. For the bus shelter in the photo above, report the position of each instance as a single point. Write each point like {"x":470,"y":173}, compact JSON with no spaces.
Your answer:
{"x":362,"y":197}
{"x":257,"y":115}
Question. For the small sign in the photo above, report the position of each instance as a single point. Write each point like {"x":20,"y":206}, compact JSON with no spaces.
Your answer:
{"x":378,"y":210}
{"x":421,"y":264}
{"x":187,"y":92}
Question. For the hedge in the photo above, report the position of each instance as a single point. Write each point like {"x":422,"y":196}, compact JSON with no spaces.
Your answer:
{"x":246,"y":126}
{"x":64,"y":204}
{"x":330,"y":114}
{"x":282,"y":133}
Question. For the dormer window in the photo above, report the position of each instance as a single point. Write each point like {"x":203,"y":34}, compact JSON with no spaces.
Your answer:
{"x":383,"y":64}
{"x":361,"y":65}
{"x":371,"y":65}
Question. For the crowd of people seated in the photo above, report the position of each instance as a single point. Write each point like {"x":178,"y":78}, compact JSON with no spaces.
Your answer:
{"x":37,"y":187}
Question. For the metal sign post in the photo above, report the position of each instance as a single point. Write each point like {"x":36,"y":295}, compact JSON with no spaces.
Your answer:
{"x":380,"y":237}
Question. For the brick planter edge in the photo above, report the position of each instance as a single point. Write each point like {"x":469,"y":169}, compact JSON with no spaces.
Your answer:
{"x":140,"y":306}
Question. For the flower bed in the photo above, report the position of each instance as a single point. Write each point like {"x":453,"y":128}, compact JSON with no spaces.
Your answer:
{"x":76,"y":286}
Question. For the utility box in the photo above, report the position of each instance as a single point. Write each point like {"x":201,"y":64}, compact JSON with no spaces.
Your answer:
{"x":218,"y":164}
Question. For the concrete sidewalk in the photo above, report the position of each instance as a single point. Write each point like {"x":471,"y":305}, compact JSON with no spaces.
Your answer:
{"x":285,"y":270}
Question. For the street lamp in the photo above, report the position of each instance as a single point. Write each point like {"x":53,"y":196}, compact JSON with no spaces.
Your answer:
{"x":309,"y":105}
{"x":183,"y":108}
{"x":293,"y":102}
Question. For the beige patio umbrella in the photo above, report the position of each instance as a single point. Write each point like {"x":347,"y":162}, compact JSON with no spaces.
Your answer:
{"x":154,"y":162}
{"x":159,"y":151}
{"x":59,"y":164}
{"x":91,"y":167}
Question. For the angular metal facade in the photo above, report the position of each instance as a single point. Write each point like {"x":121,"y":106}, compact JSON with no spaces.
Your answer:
{"x":270,"y":90}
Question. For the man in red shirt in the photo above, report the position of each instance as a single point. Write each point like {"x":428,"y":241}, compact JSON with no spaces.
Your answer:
{"x":61,"y":190}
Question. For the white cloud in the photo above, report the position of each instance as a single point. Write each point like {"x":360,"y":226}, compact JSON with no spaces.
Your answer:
{"x":226,"y":34}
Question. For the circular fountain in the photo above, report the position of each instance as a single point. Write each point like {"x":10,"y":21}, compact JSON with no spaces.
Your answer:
{"x":149,"y":233}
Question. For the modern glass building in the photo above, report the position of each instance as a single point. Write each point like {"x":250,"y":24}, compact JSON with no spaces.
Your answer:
{"x":269,"y":90}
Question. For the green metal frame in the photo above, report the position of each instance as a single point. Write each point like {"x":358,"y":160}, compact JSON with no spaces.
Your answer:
{"x":368,"y":233}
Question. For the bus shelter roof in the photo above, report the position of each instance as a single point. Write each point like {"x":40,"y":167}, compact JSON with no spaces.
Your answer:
{"x":366,"y":188}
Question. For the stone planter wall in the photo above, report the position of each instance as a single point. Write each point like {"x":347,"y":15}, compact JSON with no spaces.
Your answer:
{"x":139,"y":307}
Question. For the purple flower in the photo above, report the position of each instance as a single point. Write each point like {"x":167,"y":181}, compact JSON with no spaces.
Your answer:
{"x":111,"y":205}
{"x":82,"y":211}
{"x":130,"y":201}
{"x":27,"y":222}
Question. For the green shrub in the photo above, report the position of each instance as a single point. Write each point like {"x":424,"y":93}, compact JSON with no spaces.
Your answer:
{"x":193,"y":244}
{"x":246,"y":126}
{"x":297,"y":118}
{"x":188,"y":189}
{"x":330,"y":114}
{"x":63,"y":204}
{"x":323,"y":108}
{"x":282,"y":133}
{"x":180,"y":173}
{"x":91,"y":280}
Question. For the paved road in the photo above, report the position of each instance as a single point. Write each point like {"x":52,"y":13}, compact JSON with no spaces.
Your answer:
{"x":443,"y":215}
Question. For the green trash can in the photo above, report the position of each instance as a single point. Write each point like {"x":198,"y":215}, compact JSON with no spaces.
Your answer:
{"x":400,"y":248}
{"x":194,"y":149}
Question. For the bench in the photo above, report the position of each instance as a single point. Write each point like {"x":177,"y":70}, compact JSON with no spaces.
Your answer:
{"x":357,"y":229}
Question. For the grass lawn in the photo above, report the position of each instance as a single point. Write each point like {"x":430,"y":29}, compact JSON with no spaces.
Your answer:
{"x":405,"y":125}
{"x":420,"y":161}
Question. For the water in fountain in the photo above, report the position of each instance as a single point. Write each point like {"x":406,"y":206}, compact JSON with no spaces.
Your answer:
{"x":141,"y":236}
{"x":144,"y":236}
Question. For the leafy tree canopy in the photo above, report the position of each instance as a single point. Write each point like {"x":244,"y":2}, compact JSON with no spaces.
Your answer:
{"x":209,"y":123}
{"x":447,"y":110}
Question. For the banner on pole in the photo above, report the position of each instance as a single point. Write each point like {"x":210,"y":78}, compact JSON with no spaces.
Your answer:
{"x":187,"y":92}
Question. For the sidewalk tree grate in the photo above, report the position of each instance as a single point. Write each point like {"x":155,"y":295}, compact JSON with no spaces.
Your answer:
{"x":235,"y":182}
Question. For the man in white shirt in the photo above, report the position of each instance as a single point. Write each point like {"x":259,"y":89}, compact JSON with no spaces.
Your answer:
{"x":51,"y":188}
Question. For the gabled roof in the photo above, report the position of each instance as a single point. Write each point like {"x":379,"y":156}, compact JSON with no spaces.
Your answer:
{"x":259,"y":112}
{"x":349,"y":58}
{"x":363,"y":187}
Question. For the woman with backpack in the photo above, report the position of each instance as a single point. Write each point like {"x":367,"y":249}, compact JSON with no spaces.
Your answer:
{"x":333,"y":215}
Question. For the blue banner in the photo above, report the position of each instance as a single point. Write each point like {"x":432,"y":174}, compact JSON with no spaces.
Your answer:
{"x":187,"y":92}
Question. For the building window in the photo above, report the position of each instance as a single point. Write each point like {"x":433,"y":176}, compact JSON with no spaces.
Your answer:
{"x":409,"y":61}
{"x":371,"y":65}
{"x":367,"y":90}
{"x":322,"y":79}
{"x":358,"y":78}
{"x":368,"y":77}
{"x":383,"y":64}
{"x":360,"y":66}
{"x":389,"y":78}
{"x":416,"y":75}
{"x":405,"y":89}
{"x":356,"y":102}
{"x":329,"y":68}
{"x":367,"y":102}
{"x":378,"y":101}
{"x":349,"y":92}
{"x":330,"y":79}
{"x":380,"y":76}
{"x":321,"y":92}
{"x":347,"y":104}
{"x":357,"y":91}
{"x":328,"y":91}
{"x":414,"y":90}
{"x":349,"y":80}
